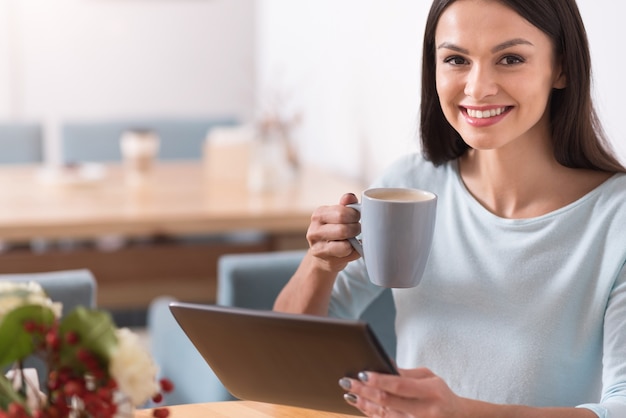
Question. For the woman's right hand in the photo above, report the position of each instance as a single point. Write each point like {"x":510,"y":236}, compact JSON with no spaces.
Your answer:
{"x":328,"y":234}
{"x":329,"y":252}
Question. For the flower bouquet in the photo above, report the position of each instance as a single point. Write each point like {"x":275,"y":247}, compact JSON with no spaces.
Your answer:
{"x":93,"y":369}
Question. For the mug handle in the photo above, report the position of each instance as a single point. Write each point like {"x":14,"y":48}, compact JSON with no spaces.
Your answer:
{"x":356,"y":243}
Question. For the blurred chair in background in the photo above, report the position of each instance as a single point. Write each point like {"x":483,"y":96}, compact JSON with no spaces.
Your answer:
{"x":21,"y":143}
{"x":244,"y":280}
{"x":99,"y":141}
{"x":70,"y":287}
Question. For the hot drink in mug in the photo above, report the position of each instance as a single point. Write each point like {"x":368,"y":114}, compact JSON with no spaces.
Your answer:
{"x":397,"y":227}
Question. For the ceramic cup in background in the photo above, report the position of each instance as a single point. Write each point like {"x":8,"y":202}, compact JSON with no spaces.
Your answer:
{"x":397,"y":226}
{"x":139,"y":149}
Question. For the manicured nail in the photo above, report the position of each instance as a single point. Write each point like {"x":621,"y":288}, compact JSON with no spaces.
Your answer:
{"x":345,"y":383}
{"x":363,"y":376}
{"x":350,"y":398}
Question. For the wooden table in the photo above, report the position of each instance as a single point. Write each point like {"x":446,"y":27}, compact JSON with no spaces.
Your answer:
{"x":242,"y":409}
{"x":176,"y":199}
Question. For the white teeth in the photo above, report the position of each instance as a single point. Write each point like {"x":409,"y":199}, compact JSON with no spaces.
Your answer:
{"x":481,"y":114}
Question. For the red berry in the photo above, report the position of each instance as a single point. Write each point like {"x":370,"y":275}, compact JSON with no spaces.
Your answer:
{"x":166,"y":385}
{"x":161,"y":413}
{"x":53,"y":380}
{"x":112,"y":409}
{"x":72,"y":388}
{"x":84,"y":355}
{"x":52,"y":339}
{"x":53,"y":412}
{"x":111,"y":384}
{"x":16,"y":410}
{"x":105,"y":394}
{"x":72,"y":338}
{"x":30,"y":326}
{"x":158,"y":398}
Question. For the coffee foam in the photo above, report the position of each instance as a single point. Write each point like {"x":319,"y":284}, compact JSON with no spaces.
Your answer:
{"x":400,"y":195}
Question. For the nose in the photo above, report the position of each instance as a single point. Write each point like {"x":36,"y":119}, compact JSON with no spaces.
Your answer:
{"x":480,"y":83}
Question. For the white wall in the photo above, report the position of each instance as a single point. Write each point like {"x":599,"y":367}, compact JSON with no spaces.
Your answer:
{"x":355,"y":67}
{"x":604,"y":19}
{"x":350,"y":66}
{"x":94,"y":59}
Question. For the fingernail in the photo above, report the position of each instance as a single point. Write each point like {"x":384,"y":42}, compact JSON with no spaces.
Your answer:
{"x":363,"y":376}
{"x":350,"y":397}
{"x":345,"y":383}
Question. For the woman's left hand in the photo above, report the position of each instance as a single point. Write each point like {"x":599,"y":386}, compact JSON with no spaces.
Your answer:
{"x":414,"y":393}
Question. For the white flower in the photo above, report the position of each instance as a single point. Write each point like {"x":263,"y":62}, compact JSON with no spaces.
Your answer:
{"x":132,"y":368}
{"x":34,"y":397}
{"x":13,"y":295}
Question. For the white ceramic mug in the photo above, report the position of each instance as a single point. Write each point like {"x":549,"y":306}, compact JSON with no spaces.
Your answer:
{"x":139,"y":149}
{"x":397,"y":227}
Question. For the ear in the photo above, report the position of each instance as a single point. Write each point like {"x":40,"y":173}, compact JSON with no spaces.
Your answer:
{"x":560,"y":81}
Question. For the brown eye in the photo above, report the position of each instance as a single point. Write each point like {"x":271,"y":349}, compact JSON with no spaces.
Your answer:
{"x":455,"y":60}
{"x":511,"y":60}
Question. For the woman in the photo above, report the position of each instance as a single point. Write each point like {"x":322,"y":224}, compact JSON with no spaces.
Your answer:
{"x":522,"y":308}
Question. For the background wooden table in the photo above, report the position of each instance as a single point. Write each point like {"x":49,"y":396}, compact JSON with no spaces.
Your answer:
{"x":173,"y":227}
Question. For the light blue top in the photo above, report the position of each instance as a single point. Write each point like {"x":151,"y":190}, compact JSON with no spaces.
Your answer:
{"x":517,"y":311}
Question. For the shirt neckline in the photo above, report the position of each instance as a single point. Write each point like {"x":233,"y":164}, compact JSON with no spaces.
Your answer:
{"x":483,"y":211}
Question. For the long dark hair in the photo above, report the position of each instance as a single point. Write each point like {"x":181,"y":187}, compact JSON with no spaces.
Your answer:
{"x":578,"y":140}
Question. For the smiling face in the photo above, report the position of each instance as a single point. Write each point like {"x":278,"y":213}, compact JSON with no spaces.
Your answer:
{"x":495,"y":72}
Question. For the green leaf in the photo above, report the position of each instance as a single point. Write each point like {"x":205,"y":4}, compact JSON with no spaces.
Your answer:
{"x":12,"y":329}
{"x":96,"y":332}
{"x":7,"y":394}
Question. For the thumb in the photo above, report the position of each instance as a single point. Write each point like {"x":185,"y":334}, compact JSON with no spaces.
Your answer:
{"x":348,"y":198}
{"x":419,"y":373}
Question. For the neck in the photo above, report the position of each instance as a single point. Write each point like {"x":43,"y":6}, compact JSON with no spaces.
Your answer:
{"x":502,"y":185}
{"x":524,"y":182}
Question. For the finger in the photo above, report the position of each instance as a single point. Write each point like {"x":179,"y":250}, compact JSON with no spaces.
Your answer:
{"x":410,"y":384}
{"x":336,"y":249}
{"x":375,"y":402}
{"x":348,"y":199}
{"x":420,"y":373}
{"x":378,"y":411}
{"x":372,"y":408}
{"x":336,"y":214}
{"x":332,"y":232}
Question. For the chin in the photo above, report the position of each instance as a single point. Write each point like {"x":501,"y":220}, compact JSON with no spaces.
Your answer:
{"x":482,"y":144}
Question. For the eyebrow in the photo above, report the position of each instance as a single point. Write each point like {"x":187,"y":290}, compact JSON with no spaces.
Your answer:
{"x":499,"y":47}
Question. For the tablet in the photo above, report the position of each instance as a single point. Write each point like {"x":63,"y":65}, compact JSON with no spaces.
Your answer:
{"x":281,"y":358}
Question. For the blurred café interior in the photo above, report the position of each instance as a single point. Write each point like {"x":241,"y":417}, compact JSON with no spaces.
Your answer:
{"x":145,"y":139}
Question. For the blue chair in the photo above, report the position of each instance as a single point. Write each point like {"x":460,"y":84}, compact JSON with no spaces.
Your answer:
{"x":99,"y":141}
{"x":244,"y":280}
{"x":21,"y":143}
{"x":70,"y":287}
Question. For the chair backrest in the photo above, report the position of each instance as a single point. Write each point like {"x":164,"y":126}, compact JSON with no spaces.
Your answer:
{"x":254,"y":281}
{"x":70,"y":287}
{"x":21,"y":143}
{"x":99,"y":141}
{"x":179,"y":361}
